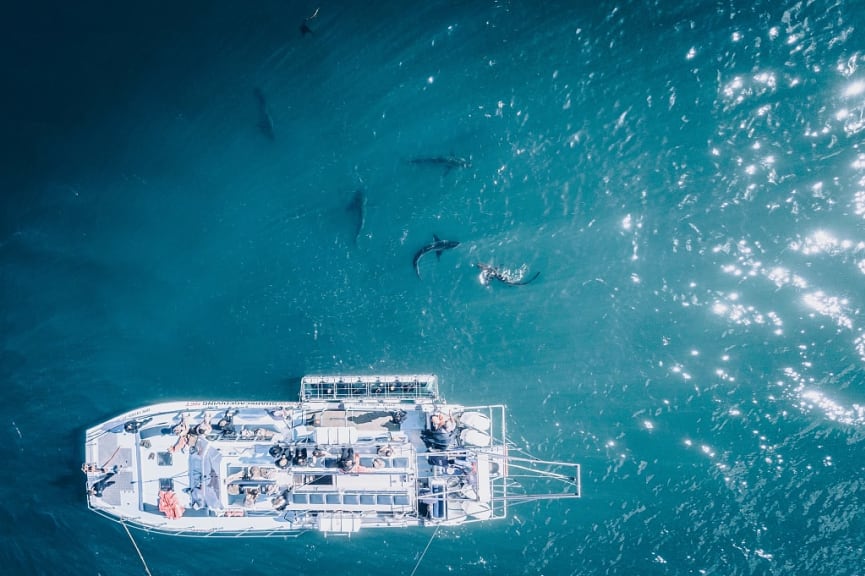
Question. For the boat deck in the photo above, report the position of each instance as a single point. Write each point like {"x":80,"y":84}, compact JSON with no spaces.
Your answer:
{"x":353,"y":452}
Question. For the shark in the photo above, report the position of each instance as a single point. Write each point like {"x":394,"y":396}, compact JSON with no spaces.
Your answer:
{"x":446,"y":162}
{"x":438,"y":246}
{"x":265,"y":122}
{"x":357,"y":209}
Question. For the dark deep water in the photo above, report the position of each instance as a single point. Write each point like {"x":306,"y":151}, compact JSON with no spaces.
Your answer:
{"x":688,"y":177}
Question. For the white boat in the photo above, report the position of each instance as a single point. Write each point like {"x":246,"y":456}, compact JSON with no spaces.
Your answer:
{"x":354,"y":452}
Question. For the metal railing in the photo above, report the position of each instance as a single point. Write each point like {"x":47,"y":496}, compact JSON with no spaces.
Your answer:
{"x":399,"y":387}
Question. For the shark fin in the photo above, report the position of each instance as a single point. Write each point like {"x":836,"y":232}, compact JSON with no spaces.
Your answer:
{"x":436,"y":240}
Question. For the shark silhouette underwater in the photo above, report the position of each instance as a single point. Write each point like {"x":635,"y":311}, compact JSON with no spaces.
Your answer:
{"x":437,"y":246}
{"x":265,"y":120}
{"x":356,"y":210}
{"x":448,"y":163}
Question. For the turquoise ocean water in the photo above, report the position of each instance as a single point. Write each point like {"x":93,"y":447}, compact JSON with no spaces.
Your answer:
{"x":688,"y":178}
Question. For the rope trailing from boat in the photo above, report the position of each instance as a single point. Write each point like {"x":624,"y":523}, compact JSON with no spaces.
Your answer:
{"x":140,"y":555}
{"x":422,"y":554}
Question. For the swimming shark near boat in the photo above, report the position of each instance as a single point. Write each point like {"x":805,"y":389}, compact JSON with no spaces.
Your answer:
{"x":438,"y":246}
{"x":357,"y":210}
{"x":447,"y":162}
{"x":265,"y":121}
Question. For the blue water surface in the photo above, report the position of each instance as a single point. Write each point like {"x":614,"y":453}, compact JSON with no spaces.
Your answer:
{"x":687,"y":177}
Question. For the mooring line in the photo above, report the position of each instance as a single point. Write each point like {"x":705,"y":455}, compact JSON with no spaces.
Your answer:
{"x":419,"y":560}
{"x":140,"y":555}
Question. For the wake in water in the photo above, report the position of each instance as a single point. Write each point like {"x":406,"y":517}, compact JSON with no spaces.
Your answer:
{"x":507,"y":276}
